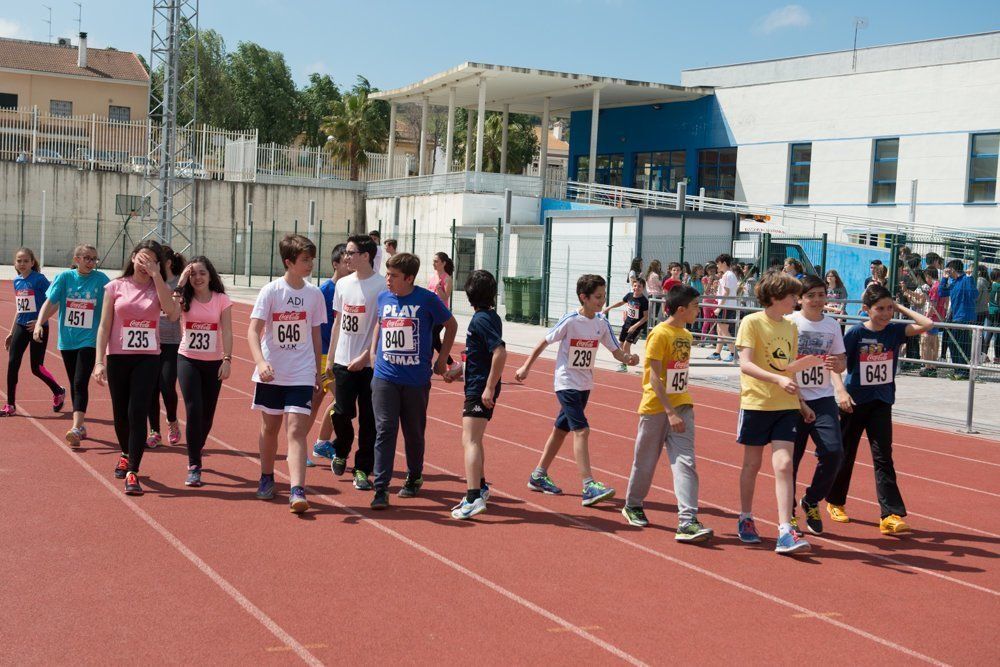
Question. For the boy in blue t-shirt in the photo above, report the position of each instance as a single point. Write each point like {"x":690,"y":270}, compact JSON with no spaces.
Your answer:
{"x":485,"y":356}
{"x":401,"y":384}
{"x":866,"y":402}
{"x":323,"y":447}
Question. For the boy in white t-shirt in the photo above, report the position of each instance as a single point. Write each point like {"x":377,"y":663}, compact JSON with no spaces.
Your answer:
{"x":818,"y":335}
{"x":578,"y":333}
{"x":728,"y":286}
{"x":349,"y":360}
{"x":285,"y":342}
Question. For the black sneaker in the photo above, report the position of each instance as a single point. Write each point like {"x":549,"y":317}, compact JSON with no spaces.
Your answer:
{"x":381,"y":500}
{"x":635,"y":516}
{"x":338,"y":465}
{"x":813,"y":521}
{"x":361,"y":481}
{"x":411,"y":486}
{"x":122,"y":467}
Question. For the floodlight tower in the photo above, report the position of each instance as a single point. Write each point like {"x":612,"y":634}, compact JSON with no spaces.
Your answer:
{"x":171,"y":166}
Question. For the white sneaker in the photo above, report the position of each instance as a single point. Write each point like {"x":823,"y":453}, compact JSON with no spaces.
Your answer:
{"x":467,"y":510}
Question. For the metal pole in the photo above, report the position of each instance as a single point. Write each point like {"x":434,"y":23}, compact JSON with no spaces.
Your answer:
{"x":897,"y":241}
{"x":611,"y":243}
{"x":683,"y":235}
{"x":822,"y":253}
{"x":250,"y":256}
{"x":977,"y":347}
{"x":21,"y":244}
{"x":248,"y":225}
{"x":233,"y":236}
{"x":319,"y":251}
{"x":296,"y":228}
{"x":97,"y":234}
{"x":413,"y":238}
{"x":270,"y":271}
{"x":499,"y":243}
{"x":546,"y":273}
{"x":42,"y":244}
{"x":451,"y":301}
{"x":975,"y":261}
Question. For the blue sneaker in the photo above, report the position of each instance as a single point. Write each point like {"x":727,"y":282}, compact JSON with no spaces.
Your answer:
{"x":265,"y":490}
{"x":484,"y":492}
{"x":544,"y":484}
{"x":324,"y":449}
{"x":715,"y":356}
{"x":791,"y":543}
{"x":595,"y":492}
{"x":309,"y":462}
{"x":747,"y":530}
{"x":297,"y":503}
{"x":729,"y":359}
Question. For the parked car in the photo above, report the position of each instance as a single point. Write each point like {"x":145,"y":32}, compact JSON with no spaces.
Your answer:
{"x":103,"y":160}
{"x":140,"y":164}
{"x":48,"y":156}
{"x":190,"y":169}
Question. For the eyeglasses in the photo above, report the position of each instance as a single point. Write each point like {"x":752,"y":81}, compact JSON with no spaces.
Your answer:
{"x":88,"y":258}
{"x":351,"y":253}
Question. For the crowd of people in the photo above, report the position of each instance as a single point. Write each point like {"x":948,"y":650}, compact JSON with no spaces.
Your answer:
{"x":372,"y":342}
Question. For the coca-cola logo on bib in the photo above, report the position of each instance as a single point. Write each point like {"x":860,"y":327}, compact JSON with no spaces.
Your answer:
{"x":139,"y":324}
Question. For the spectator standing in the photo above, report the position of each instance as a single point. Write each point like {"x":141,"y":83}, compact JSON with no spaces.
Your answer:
{"x":961,"y":290}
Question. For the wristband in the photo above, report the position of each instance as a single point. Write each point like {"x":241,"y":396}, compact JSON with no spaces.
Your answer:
{"x":227,"y":358}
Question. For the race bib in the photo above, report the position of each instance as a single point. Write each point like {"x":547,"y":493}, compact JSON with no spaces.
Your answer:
{"x":79,"y":313}
{"x":632,"y":311}
{"x":582,"y":353}
{"x":812,"y":377}
{"x":24,"y":301}
{"x":139,"y":336}
{"x":399,"y":335}
{"x":875,"y":369}
{"x":288,"y":329}
{"x":677,"y":377}
{"x":352,"y":319}
{"x":201,"y":336}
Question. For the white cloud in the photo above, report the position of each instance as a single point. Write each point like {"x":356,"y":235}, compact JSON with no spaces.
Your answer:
{"x":789,"y":16}
{"x":12,"y":29}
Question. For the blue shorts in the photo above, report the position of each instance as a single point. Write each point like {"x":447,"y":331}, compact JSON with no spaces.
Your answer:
{"x":276,"y":399}
{"x":757,"y":428}
{"x":573,"y":402}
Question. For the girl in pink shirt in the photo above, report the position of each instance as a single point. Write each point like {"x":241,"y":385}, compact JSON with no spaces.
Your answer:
{"x":205,"y":356}
{"x":128,"y":351}
{"x":441,"y":284}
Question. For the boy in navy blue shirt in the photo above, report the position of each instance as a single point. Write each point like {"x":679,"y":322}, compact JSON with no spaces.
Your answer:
{"x":485,"y":354}
{"x":636,"y":314}
{"x":866,"y":403}
{"x":401,"y":384}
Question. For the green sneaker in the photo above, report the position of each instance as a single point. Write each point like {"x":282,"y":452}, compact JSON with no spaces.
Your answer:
{"x":693,"y":532}
{"x":635,"y":516}
{"x":361,"y":481}
{"x":411,"y":486}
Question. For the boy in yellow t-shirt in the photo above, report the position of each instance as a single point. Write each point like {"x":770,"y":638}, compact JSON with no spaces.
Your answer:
{"x":770,"y":403}
{"x":666,"y":417}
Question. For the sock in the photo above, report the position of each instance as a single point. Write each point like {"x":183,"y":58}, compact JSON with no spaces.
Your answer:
{"x":482,"y":482}
{"x":587,"y":480}
{"x":745,"y":515}
{"x":471,"y":495}
{"x":784,"y":528}
{"x":270,"y":476}
{"x":538,"y":472}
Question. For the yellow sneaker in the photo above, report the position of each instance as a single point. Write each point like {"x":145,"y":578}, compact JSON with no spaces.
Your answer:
{"x":837,"y":513}
{"x":893,"y":525}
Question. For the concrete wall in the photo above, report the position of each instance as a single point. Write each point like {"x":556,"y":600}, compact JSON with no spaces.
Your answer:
{"x":75,"y":199}
{"x":435,"y":212}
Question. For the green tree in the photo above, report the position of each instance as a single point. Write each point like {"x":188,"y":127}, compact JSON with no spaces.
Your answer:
{"x":264,"y":95}
{"x":317,"y":101}
{"x":522,"y":144}
{"x":356,"y":124}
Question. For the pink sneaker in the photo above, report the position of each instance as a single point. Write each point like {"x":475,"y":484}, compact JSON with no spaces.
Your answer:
{"x":7,"y":411}
{"x":154,"y":440}
{"x":173,"y":433}
{"x":58,"y":400}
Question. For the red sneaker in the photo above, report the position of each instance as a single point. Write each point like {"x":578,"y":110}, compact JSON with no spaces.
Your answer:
{"x":122,"y":467}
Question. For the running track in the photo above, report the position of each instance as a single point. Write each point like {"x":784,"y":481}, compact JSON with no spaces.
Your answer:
{"x":215,"y":575}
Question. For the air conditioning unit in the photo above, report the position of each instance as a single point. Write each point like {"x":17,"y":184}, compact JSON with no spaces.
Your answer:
{"x":65,"y":41}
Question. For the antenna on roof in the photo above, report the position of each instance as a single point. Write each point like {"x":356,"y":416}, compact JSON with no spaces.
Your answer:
{"x":49,"y":21}
{"x":860,"y":23}
{"x":79,"y":16}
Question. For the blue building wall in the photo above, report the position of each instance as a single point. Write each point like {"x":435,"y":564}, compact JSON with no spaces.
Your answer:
{"x":850,"y":261}
{"x":689,"y":126}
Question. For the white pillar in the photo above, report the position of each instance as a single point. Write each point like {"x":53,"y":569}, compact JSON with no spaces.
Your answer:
{"x":391,"y":156}
{"x":503,"y":139}
{"x":480,"y":124}
{"x":421,"y":159}
{"x":592,"y":166}
{"x":543,"y":152}
{"x":468,"y":137}
{"x":450,"y":142}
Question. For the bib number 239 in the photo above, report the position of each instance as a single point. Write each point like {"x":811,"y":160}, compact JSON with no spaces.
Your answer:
{"x":582,"y":353}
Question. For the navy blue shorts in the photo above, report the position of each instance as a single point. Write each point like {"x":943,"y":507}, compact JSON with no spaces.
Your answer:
{"x":825,"y":431}
{"x":276,"y":399}
{"x":625,"y":336}
{"x":573,"y":402}
{"x":757,"y":428}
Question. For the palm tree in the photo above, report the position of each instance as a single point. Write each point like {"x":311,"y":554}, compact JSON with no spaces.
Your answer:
{"x":353,"y":127}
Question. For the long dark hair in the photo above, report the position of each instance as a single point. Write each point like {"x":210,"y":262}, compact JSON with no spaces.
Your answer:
{"x":174,"y":259}
{"x":129,"y":269}
{"x":449,"y":266}
{"x":31,"y":254}
{"x":214,"y":282}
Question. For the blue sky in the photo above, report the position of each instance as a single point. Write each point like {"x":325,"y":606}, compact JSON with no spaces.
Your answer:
{"x":395,"y":42}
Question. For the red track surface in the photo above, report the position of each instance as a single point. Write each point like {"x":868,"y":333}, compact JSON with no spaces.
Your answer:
{"x":213,"y":574}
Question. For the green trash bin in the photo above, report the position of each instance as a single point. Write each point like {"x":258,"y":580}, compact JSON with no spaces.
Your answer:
{"x":531,"y":300}
{"x":512,"y":298}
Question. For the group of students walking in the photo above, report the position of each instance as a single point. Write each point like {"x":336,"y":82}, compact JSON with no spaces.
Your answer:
{"x":370,"y":342}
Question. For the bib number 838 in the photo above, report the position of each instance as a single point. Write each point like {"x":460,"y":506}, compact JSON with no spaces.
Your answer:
{"x":349,"y":323}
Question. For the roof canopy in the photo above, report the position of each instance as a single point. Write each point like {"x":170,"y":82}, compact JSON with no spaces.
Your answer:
{"x":525,"y":89}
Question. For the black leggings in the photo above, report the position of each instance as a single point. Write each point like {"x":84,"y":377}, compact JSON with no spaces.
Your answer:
{"x":79,"y":366}
{"x":131,"y":381}
{"x":436,"y":340}
{"x":167,"y":387}
{"x":21,"y":340}
{"x":200,"y":385}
